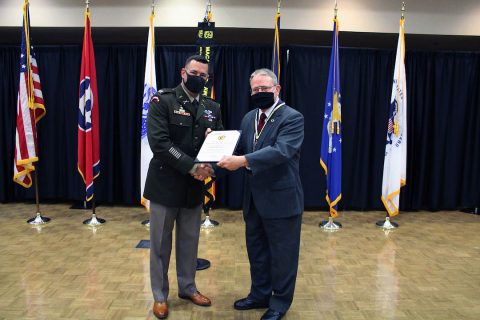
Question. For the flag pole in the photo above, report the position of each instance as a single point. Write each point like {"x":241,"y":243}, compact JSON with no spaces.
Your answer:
{"x":93,"y":221}
{"x":387,"y":224}
{"x":38,"y":219}
{"x":146,"y":222}
{"x":205,"y":49}
{"x":330,"y":225}
{"x":209,"y":197}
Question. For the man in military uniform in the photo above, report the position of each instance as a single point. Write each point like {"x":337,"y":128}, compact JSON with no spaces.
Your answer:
{"x":177,"y":123}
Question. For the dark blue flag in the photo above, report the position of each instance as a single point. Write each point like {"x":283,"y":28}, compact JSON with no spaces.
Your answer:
{"x":331,"y":149}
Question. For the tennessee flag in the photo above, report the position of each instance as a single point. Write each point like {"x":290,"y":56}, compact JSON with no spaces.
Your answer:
{"x":276,"y":47}
{"x":30,"y":108}
{"x":88,"y":125}
{"x":149,"y":89}
{"x":331,"y":150}
{"x":395,"y":162}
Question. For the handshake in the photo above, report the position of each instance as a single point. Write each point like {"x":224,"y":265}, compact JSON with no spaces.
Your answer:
{"x":202,"y":171}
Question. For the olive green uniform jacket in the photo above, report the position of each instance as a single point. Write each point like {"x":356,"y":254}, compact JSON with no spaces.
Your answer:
{"x":176,"y":131}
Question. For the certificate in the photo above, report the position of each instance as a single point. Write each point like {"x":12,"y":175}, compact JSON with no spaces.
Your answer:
{"x":218,"y":144}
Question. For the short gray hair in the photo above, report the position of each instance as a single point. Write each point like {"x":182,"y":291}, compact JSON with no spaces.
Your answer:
{"x":265,"y":72}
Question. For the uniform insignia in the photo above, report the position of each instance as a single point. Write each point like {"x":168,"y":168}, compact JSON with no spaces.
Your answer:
{"x":174,"y":152}
{"x":208,"y":114}
{"x":181,"y":112}
{"x":154,"y":99}
{"x":164,"y":91}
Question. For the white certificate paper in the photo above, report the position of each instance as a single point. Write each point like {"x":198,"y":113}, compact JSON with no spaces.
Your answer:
{"x":218,"y":144}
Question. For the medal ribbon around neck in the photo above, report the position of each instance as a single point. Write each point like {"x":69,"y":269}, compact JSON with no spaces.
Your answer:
{"x":257,"y":117}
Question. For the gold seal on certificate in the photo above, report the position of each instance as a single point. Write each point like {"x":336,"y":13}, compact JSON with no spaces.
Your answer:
{"x":218,"y":144}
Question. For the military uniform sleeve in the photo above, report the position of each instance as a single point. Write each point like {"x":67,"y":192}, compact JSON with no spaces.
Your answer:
{"x":159,"y":137}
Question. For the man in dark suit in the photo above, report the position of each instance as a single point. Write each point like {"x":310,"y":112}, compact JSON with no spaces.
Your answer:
{"x":269,"y":149}
{"x":178,"y":120}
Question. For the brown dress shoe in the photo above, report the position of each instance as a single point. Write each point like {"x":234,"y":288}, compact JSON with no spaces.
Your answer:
{"x":160,"y":310}
{"x":197,"y":298}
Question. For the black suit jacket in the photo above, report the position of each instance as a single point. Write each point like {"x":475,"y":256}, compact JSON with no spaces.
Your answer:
{"x":273,"y":180}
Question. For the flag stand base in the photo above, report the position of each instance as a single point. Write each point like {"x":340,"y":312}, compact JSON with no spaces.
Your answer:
{"x":38,"y":220}
{"x":209,"y":223}
{"x":474,"y":210}
{"x":146,"y":223}
{"x":330,"y":224}
{"x":387,"y":224}
{"x":94,"y":221}
{"x":202,"y":264}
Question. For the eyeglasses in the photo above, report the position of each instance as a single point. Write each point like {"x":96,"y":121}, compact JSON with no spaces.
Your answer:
{"x":197,"y":74}
{"x":261,"y":89}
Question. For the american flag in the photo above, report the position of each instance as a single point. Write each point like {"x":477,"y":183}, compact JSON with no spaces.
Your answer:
{"x":390,"y":125}
{"x":30,"y":108}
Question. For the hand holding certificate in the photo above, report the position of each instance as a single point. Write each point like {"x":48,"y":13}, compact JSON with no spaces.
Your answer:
{"x":217,"y":145}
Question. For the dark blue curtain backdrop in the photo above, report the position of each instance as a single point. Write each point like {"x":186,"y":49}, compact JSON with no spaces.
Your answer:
{"x":443,"y":168}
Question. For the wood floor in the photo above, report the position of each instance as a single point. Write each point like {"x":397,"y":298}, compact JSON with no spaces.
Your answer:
{"x":429,"y":268}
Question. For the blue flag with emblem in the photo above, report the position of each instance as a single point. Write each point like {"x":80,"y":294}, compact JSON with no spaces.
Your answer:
{"x":331,"y":149}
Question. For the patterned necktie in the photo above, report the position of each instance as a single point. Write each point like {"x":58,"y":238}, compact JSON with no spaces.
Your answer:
{"x":261,"y":122}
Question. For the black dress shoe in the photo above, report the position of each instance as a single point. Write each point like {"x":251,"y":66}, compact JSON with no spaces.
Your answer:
{"x":272,"y":315}
{"x":247,"y":304}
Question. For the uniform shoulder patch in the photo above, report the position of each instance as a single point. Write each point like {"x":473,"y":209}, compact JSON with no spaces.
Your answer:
{"x":156,"y":96}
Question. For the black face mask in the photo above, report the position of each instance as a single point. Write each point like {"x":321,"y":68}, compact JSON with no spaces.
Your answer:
{"x":194,"y":84}
{"x":262,"y":100}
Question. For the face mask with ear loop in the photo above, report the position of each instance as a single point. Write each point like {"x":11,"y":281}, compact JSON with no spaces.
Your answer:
{"x":194,"y":84}
{"x":262,"y":100}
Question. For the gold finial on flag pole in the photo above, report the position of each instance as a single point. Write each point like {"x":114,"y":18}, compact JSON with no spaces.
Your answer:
{"x":208,"y":12}
{"x":403,"y":10}
{"x":279,"y":4}
{"x":153,"y":7}
{"x":87,"y":2}
{"x":336,"y":9}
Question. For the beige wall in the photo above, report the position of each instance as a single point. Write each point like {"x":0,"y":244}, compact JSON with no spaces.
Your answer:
{"x":461,"y":17}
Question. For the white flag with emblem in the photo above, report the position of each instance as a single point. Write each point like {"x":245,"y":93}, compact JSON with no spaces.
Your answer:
{"x":149,"y":89}
{"x":395,"y":163}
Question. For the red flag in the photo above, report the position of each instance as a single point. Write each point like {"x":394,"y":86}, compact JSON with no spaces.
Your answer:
{"x":30,"y":108}
{"x":88,"y":125}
